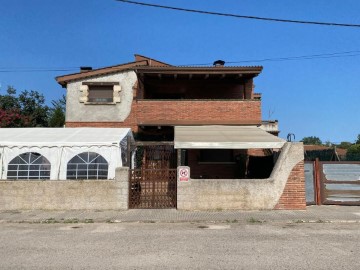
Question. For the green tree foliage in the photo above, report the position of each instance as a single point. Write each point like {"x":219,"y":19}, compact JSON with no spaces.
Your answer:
{"x":57,"y":112}
{"x":312,"y":140}
{"x":28,"y":109}
{"x":32,"y":104}
{"x":358,"y":139}
{"x":353,"y":153}
{"x":344,"y":145}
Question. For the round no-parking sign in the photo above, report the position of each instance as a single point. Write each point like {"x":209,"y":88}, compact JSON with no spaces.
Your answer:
{"x":184,"y":174}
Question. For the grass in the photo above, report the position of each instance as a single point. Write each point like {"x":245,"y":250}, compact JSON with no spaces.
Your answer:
{"x":71,"y":220}
{"x":254,"y":221}
{"x":299,"y":221}
{"x":232,"y":221}
{"x":50,"y":221}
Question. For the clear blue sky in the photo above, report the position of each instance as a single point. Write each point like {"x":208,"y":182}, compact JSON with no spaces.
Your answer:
{"x":317,"y":97}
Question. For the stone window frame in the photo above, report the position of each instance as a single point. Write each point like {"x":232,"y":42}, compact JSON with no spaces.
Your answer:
{"x":85,"y":87}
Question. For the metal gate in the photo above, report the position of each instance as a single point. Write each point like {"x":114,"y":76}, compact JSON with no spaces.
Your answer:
{"x":340,"y":182}
{"x":153,"y":181}
{"x":332,"y":182}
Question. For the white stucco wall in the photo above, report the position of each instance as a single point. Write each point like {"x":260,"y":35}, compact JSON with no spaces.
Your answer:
{"x":80,"y":112}
{"x":244,"y":194}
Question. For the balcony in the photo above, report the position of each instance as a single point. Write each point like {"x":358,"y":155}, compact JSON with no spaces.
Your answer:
{"x":196,"y":112}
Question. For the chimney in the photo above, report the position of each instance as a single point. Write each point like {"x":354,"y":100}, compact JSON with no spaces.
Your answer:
{"x":219,"y":63}
{"x":85,"y":69}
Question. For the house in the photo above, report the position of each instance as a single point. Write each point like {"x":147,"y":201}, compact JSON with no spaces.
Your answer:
{"x":204,"y":120}
{"x":324,"y":153}
{"x":200,"y":144}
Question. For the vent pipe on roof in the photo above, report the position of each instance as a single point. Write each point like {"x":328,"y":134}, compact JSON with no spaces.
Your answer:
{"x":85,"y":69}
{"x":219,"y":63}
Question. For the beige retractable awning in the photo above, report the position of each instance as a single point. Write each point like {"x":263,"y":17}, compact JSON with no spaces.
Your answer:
{"x":224,"y":137}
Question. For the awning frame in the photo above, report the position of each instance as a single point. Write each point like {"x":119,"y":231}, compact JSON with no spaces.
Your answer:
{"x":225,"y":137}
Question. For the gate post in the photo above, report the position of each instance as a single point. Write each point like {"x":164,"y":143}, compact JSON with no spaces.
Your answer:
{"x":317,"y":168}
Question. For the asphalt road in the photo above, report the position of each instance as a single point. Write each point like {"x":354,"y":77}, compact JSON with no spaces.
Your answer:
{"x":180,"y":246}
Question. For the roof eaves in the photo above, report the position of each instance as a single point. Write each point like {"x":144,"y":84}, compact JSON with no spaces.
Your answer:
{"x":152,"y":59}
{"x":182,"y":69}
{"x":64,"y":79}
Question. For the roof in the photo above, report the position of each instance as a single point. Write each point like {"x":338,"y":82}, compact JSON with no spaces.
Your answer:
{"x":147,"y":65}
{"x":224,"y":137}
{"x":313,"y":147}
{"x":57,"y":137}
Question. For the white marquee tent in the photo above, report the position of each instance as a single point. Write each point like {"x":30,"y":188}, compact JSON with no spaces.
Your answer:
{"x":60,"y":145}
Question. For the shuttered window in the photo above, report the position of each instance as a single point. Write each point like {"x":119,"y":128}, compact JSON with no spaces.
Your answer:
{"x":101,"y":93}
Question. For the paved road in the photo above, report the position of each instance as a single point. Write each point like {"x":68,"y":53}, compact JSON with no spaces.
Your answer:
{"x":226,"y":245}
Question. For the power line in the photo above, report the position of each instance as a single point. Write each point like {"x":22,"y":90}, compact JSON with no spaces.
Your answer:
{"x":33,"y":70}
{"x":240,"y":16}
{"x":291,"y":58}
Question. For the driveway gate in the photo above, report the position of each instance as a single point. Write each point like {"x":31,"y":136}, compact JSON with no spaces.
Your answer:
{"x":333,"y":182}
{"x":153,"y":181}
{"x":340,"y":182}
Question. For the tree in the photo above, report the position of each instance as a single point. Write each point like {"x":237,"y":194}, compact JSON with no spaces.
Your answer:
{"x":353,"y":153}
{"x":10,"y":100}
{"x":344,"y":145}
{"x":26,"y":110}
{"x":57,"y":112}
{"x":358,"y":139}
{"x":32,"y":104}
{"x":13,"y":118}
{"x":312,"y":140}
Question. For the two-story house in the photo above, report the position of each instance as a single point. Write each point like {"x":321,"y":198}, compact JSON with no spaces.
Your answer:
{"x":206,"y":118}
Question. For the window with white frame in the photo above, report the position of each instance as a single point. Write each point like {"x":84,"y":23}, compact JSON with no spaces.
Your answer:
{"x":87,"y":165}
{"x":29,"y":165}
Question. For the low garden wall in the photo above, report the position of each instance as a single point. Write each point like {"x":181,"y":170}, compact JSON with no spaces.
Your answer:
{"x":66,"y":194}
{"x":284,"y":189}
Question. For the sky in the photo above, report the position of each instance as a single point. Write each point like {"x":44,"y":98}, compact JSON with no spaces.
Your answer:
{"x":309,"y":97}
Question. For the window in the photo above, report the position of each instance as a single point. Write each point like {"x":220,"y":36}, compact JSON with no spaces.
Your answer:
{"x":87,"y":165}
{"x":216,"y":156}
{"x":100,"y":92}
{"x":29,"y":165}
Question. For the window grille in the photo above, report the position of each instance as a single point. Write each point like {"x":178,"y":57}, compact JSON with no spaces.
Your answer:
{"x":87,"y":165}
{"x":29,"y":165}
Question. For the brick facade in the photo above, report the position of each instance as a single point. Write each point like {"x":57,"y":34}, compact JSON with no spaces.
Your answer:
{"x":195,"y":110}
{"x":293,"y":196}
{"x":144,"y":112}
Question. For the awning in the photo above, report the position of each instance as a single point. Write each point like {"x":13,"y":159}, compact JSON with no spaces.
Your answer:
{"x":224,"y":137}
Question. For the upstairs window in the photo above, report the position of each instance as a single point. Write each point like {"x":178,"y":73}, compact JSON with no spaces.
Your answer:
{"x":29,"y":165}
{"x":100,"y":92}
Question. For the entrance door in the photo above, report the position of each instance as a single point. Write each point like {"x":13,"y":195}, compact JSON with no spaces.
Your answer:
{"x":153,"y":182}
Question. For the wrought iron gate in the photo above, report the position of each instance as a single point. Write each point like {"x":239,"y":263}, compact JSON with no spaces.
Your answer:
{"x":153,"y":181}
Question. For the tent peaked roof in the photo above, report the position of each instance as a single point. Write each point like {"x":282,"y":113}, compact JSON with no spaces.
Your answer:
{"x":57,"y":137}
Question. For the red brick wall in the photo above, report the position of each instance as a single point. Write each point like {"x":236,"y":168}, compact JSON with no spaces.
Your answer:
{"x":293,"y":196}
{"x":143,"y":112}
{"x":196,"y":110}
